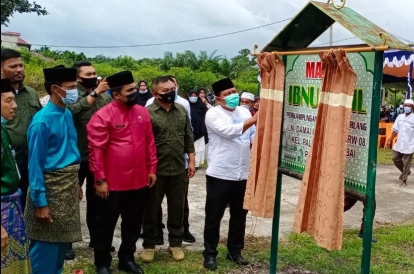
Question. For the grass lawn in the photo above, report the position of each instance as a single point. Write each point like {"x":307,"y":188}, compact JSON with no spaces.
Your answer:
{"x":393,"y":254}
{"x":384,"y":156}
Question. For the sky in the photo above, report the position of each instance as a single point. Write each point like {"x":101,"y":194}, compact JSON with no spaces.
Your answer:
{"x":137,"y":22}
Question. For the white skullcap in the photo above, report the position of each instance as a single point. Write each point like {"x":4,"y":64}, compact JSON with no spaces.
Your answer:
{"x":248,"y":96}
{"x":409,"y":101}
{"x":99,"y":78}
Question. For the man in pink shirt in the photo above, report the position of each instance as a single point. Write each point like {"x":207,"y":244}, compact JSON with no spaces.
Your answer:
{"x":123,"y":160}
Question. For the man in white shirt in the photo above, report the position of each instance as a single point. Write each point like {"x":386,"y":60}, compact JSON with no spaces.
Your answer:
{"x":231,"y":131}
{"x":404,"y":147}
{"x":187,"y":237}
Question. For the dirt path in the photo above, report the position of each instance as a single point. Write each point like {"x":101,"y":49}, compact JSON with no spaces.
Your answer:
{"x":394,"y":205}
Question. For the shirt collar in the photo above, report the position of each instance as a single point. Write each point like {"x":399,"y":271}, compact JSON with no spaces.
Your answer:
{"x":82,"y":90}
{"x":121,"y":106}
{"x":54,"y":107}
{"x":158,"y":106}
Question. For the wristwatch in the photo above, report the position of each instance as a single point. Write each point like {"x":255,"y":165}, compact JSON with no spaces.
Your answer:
{"x":100,"y":182}
{"x":94,"y":94}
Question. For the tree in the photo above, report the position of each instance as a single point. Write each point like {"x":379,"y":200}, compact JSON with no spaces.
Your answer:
{"x":8,"y":7}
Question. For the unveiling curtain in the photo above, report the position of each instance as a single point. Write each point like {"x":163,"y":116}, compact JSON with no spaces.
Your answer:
{"x":261,"y":183}
{"x":321,"y":200}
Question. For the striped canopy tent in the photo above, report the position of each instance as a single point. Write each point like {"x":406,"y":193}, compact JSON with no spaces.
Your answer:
{"x":398,"y":70}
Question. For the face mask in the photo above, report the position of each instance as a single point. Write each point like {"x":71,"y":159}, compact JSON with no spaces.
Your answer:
{"x":71,"y":96}
{"x":406,"y":110}
{"x":176,"y":93}
{"x":193,"y":99}
{"x":245,"y":106}
{"x":232,"y":101}
{"x":89,"y":82}
{"x":143,"y":92}
{"x":132,"y":99}
{"x":3,"y":121}
{"x":168,"y":97}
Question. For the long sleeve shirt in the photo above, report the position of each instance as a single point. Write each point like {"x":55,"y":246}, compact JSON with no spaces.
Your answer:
{"x":52,"y":142}
{"x":9,"y":172}
{"x":28,"y":105}
{"x":229,"y":147}
{"x":121,"y":146}
{"x":178,"y":100}
{"x":82,"y":113}
{"x":173,"y":137}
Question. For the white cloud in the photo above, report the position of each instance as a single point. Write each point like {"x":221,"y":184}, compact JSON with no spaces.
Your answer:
{"x":129,"y":22}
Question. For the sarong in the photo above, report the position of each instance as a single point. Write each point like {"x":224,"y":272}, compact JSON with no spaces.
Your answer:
{"x":62,"y":196}
{"x":14,"y":259}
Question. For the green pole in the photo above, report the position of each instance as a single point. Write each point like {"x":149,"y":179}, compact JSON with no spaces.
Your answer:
{"x":371,"y":169}
{"x":275,"y":226}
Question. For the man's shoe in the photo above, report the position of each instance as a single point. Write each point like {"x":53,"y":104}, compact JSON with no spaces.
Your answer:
{"x":188,"y":237}
{"x":361,"y":235}
{"x":103,"y":270}
{"x":130,"y":267}
{"x":147,"y":255}
{"x":160,"y":239}
{"x":177,"y":253}
{"x":210,"y":263}
{"x":238,"y":259}
{"x":70,"y":253}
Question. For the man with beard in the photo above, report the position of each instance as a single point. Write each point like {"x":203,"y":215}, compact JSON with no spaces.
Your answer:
{"x":27,"y":99}
{"x":124,"y":162}
{"x":90,"y":100}
{"x":173,"y":137}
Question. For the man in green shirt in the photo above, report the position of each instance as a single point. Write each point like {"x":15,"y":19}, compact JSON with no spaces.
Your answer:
{"x":92,"y":97}
{"x":173,"y":137}
{"x":14,"y":256}
{"x":27,"y":99}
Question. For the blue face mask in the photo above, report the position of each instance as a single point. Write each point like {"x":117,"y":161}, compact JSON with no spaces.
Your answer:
{"x":245,"y":106}
{"x":232,"y":101}
{"x":193,"y":99}
{"x":176,"y":93}
{"x":3,"y":121}
{"x":406,"y":110}
{"x":71,"y":96}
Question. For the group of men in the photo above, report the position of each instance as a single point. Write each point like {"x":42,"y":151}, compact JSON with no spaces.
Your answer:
{"x":131,"y":156}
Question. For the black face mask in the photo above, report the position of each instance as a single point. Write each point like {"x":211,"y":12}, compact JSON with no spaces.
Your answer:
{"x":132,"y":99}
{"x":168,"y":97}
{"x":89,"y":82}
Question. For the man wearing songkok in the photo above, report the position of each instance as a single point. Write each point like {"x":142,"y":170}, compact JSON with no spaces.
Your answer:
{"x":247,"y":101}
{"x":52,"y":210}
{"x":231,"y":131}
{"x":14,"y":243}
{"x":403,"y":149}
{"x":123,"y":159}
{"x":12,"y":68}
{"x":92,"y":97}
{"x":173,"y":137}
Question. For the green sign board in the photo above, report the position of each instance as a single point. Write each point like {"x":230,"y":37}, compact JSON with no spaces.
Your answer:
{"x":302,"y":89}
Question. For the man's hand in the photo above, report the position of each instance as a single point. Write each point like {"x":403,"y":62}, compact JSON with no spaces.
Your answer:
{"x":102,"y":87}
{"x":44,"y":215}
{"x":388,"y":144}
{"x":152,"y":179}
{"x":191,"y":169}
{"x":4,"y":238}
{"x":102,"y":190}
{"x":80,"y":193}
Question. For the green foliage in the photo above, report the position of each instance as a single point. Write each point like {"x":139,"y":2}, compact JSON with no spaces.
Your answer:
{"x":192,"y":70}
{"x":395,"y":97}
{"x":9,"y":7}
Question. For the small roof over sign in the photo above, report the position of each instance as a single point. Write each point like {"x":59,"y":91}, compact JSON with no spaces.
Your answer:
{"x":315,"y":18}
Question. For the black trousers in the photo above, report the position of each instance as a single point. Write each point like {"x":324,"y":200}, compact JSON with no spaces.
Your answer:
{"x":173,"y":188}
{"x":24,"y":181}
{"x":219,"y":194}
{"x":92,"y":200}
{"x":350,"y":202}
{"x":130,"y":206}
{"x":186,"y":222}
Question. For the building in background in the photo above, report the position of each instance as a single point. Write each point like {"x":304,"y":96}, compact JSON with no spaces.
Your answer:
{"x":10,"y":39}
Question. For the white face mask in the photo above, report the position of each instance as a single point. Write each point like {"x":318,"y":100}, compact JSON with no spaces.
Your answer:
{"x":143,"y":92}
{"x":245,"y":106}
{"x":407,"y":110}
{"x":193,"y":99}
